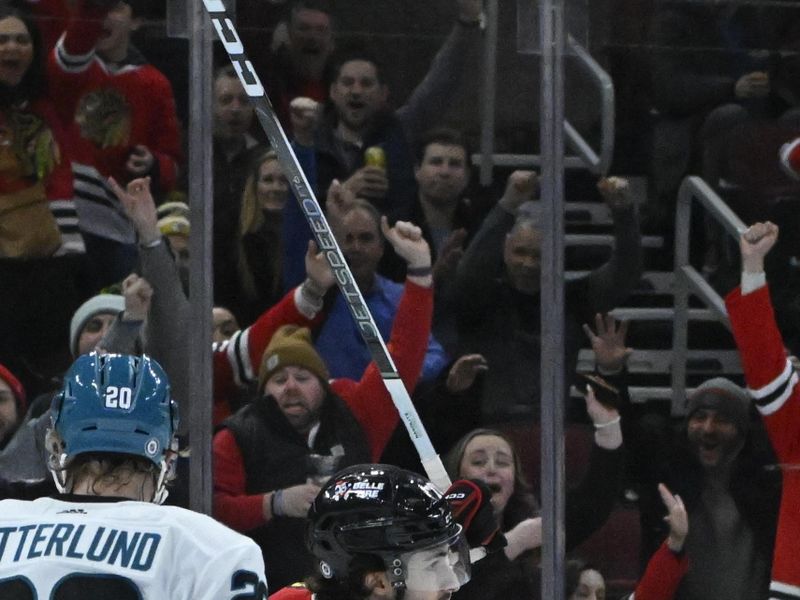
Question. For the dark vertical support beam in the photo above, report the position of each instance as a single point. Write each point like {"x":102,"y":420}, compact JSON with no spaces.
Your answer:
{"x":488,"y":92}
{"x":200,"y":278}
{"x":552,"y":298}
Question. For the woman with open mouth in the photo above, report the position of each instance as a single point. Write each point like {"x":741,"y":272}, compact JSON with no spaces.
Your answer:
{"x":40,"y":244}
{"x":32,"y":171}
{"x":489,"y":455}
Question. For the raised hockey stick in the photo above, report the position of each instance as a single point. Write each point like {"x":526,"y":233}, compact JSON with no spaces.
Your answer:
{"x":326,"y":242}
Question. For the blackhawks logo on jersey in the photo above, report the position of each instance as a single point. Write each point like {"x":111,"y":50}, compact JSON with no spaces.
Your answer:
{"x":104,"y":117}
{"x":27,"y":146}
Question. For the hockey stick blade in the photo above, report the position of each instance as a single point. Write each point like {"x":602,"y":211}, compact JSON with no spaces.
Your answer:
{"x":227,"y":34}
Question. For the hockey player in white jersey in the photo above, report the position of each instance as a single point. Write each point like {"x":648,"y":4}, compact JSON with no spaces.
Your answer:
{"x":106,"y":537}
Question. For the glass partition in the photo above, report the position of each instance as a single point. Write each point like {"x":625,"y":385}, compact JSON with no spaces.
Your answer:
{"x":539,"y":146}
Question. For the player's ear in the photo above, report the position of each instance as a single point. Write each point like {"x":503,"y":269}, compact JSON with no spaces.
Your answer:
{"x":378,"y":585}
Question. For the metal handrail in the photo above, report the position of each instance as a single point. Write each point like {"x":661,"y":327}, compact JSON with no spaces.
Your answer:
{"x":586,"y":157}
{"x":689,"y":281}
{"x":597,"y":164}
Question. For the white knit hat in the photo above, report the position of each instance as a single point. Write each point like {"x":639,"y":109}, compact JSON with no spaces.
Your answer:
{"x":102,"y":303}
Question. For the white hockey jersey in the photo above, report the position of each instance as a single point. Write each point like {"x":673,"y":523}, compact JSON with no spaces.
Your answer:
{"x":123,"y":550}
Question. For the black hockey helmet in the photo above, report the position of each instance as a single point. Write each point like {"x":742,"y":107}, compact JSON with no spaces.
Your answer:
{"x":378,"y":510}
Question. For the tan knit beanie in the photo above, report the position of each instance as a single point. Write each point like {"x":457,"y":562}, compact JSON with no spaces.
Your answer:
{"x":291,"y":346}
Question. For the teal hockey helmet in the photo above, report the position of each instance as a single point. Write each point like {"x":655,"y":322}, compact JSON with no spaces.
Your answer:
{"x":115,"y":403}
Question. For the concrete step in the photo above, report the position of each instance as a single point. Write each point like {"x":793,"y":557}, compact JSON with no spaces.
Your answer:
{"x":662,"y":314}
{"x":699,"y":362}
{"x":642,"y":395}
{"x":607,"y":239}
{"x":652,"y":282}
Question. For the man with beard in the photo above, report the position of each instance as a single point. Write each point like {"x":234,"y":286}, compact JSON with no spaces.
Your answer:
{"x":717,"y":467}
{"x":267,"y":456}
{"x":299,"y":66}
{"x":359,"y":117}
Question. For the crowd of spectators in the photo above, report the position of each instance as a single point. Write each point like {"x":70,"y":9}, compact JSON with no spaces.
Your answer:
{"x":94,"y":256}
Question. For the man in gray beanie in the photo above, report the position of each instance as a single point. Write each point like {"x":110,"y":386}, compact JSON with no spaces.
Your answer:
{"x":717,"y":421}
{"x":716,"y":462}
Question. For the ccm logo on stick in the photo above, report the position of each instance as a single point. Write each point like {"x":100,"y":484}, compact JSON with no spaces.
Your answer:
{"x":233,"y":45}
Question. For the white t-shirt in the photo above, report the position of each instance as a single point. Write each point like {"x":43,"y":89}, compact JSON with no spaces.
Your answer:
{"x":123,"y":550}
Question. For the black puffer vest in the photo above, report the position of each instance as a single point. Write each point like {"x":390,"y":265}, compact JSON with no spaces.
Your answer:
{"x":275,"y":456}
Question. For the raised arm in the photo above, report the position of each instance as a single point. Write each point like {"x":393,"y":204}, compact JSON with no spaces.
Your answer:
{"x":431,"y":96}
{"x":587,"y":506}
{"x":169,"y":321}
{"x":123,"y":335}
{"x":369,"y":399}
{"x":773,"y":384}
{"x":608,"y":343}
{"x":771,"y":378}
{"x":236,"y":361}
{"x":611,"y":283}
{"x":69,"y":63}
{"x":669,"y":564}
{"x":475,"y":283}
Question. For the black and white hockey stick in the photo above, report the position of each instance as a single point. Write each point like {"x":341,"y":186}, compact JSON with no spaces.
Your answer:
{"x":326,"y":242}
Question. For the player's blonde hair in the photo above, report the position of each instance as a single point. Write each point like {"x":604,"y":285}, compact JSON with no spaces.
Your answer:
{"x":102,"y":469}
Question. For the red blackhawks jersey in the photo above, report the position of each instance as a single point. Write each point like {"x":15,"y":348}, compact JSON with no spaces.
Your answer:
{"x":108,"y":110}
{"x":773,"y":384}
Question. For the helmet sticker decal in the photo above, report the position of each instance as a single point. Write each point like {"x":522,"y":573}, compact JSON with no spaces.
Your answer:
{"x":151,"y":447}
{"x":325,"y":569}
{"x":363,"y":490}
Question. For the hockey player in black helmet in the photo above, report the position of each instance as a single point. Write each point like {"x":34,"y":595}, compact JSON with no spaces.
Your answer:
{"x":379,"y":532}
